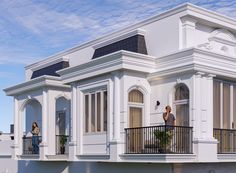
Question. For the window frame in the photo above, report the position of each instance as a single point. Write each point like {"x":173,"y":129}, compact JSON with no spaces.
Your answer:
{"x":89,"y":94}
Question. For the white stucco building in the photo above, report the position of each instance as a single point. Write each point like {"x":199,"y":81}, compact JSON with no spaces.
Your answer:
{"x":102,"y":96}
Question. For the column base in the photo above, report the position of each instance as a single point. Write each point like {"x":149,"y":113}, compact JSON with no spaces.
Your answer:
{"x":43,"y":151}
{"x":72,"y":150}
{"x":205,"y":150}
{"x":115,"y":150}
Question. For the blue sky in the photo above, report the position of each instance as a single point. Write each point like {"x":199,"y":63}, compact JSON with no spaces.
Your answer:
{"x":31,"y":30}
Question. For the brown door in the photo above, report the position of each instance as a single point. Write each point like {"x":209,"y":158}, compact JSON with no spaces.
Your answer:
{"x":181,"y":136}
{"x":182,"y":115}
{"x":135,"y":120}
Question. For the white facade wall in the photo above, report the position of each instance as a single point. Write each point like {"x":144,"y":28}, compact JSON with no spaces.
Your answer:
{"x":163,"y":91}
{"x":171,"y":60}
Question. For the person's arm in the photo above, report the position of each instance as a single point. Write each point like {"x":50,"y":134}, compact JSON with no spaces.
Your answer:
{"x":174,"y":123}
{"x":165,"y":116}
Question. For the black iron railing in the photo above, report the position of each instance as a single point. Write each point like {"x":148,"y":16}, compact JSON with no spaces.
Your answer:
{"x":159,"y":139}
{"x":31,"y":145}
{"x":226,"y":139}
{"x":62,"y":146}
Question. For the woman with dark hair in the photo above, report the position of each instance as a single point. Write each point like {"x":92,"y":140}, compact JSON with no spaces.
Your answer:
{"x":35,"y":138}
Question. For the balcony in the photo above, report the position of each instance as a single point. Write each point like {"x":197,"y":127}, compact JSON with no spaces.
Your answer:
{"x":227,"y":140}
{"x":31,"y":145}
{"x":159,"y":140}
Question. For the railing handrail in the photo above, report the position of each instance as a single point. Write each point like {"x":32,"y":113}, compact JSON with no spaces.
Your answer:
{"x":28,"y":137}
{"x":158,"y":126}
{"x":63,"y":135}
{"x":224,"y":129}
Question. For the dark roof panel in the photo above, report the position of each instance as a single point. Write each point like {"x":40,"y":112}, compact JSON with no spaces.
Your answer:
{"x":50,"y":70}
{"x":135,"y":43}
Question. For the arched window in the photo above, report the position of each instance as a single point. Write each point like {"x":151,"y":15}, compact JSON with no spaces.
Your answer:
{"x":181,"y":103}
{"x":181,"y":92}
{"x":135,"y":103}
{"x":135,"y":96}
{"x":136,"y":107}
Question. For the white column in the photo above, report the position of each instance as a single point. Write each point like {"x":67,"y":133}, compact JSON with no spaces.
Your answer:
{"x":110,"y":100}
{"x":44,"y":116}
{"x":196,"y":105}
{"x":221,"y":105}
{"x":44,"y":145}
{"x":188,"y":32}
{"x":74,"y":128}
{"x":116,"y":107}
{"x":115,"y":143}
{"x":73,"y":113}
{"x":16,"y":129}
{"x":210,"y":116}
{"x":203,"y":116}
{"x":80,"y":116}
{"x":231,"y":105}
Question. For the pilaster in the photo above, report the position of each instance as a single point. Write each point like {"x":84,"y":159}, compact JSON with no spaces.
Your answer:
{"x":73,"y":142}
{"x":44,"y":131}
{"x":115,"y":146}
{"x":116,"y":107}
{"x":15,"y":146}
{"x":188,"y":31}
{"x":205,"y":146}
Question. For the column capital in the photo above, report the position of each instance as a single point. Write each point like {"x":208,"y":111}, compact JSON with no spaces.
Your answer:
{"x":210,"y":76}
{"x":199,"y":74}
{"x":188,"y":21}
{"x":116,"y":73}
{"x":74,"y":84}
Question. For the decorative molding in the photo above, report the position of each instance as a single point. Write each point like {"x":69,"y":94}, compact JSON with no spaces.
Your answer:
{"x":188,"y":21}
{"x":45,"y":63}
{"x":58,"y":157}
{"x":36,"y":83}
{"x":226,"y":157}
{"x":228,"y":37}
{"x":107,"y":64}
{"x":28,"y":157}
{"x":96,"y":157}
{"x":206,"y":46}
{"x":193,"y":60}
{"x":159,"y":158}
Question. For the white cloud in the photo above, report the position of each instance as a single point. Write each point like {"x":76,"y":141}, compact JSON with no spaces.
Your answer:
{"x":42,"y":26}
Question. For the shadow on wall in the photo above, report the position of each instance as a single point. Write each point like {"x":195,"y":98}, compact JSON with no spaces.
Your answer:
{"x":95,"y":167}
{"x":42,"y":167}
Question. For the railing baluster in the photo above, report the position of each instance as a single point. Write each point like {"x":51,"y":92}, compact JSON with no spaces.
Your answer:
{"x":159,"y":139}
{"x":28,"y":147}
{"x":227,"y":139}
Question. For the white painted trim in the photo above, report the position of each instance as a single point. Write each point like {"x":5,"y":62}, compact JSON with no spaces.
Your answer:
{"x":34,"y":84}
{"x":159,"y":158}
{"x":192,"y":60}
{"x":231,"y":105}
{"x":221,"y":105}
{"x":94,"y":157}
{"x":48,"y":63}
{"x":226,"y":157}
{"x":108,"y":63}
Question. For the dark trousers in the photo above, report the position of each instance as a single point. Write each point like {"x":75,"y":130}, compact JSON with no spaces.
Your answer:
{"x":35,"y":144}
